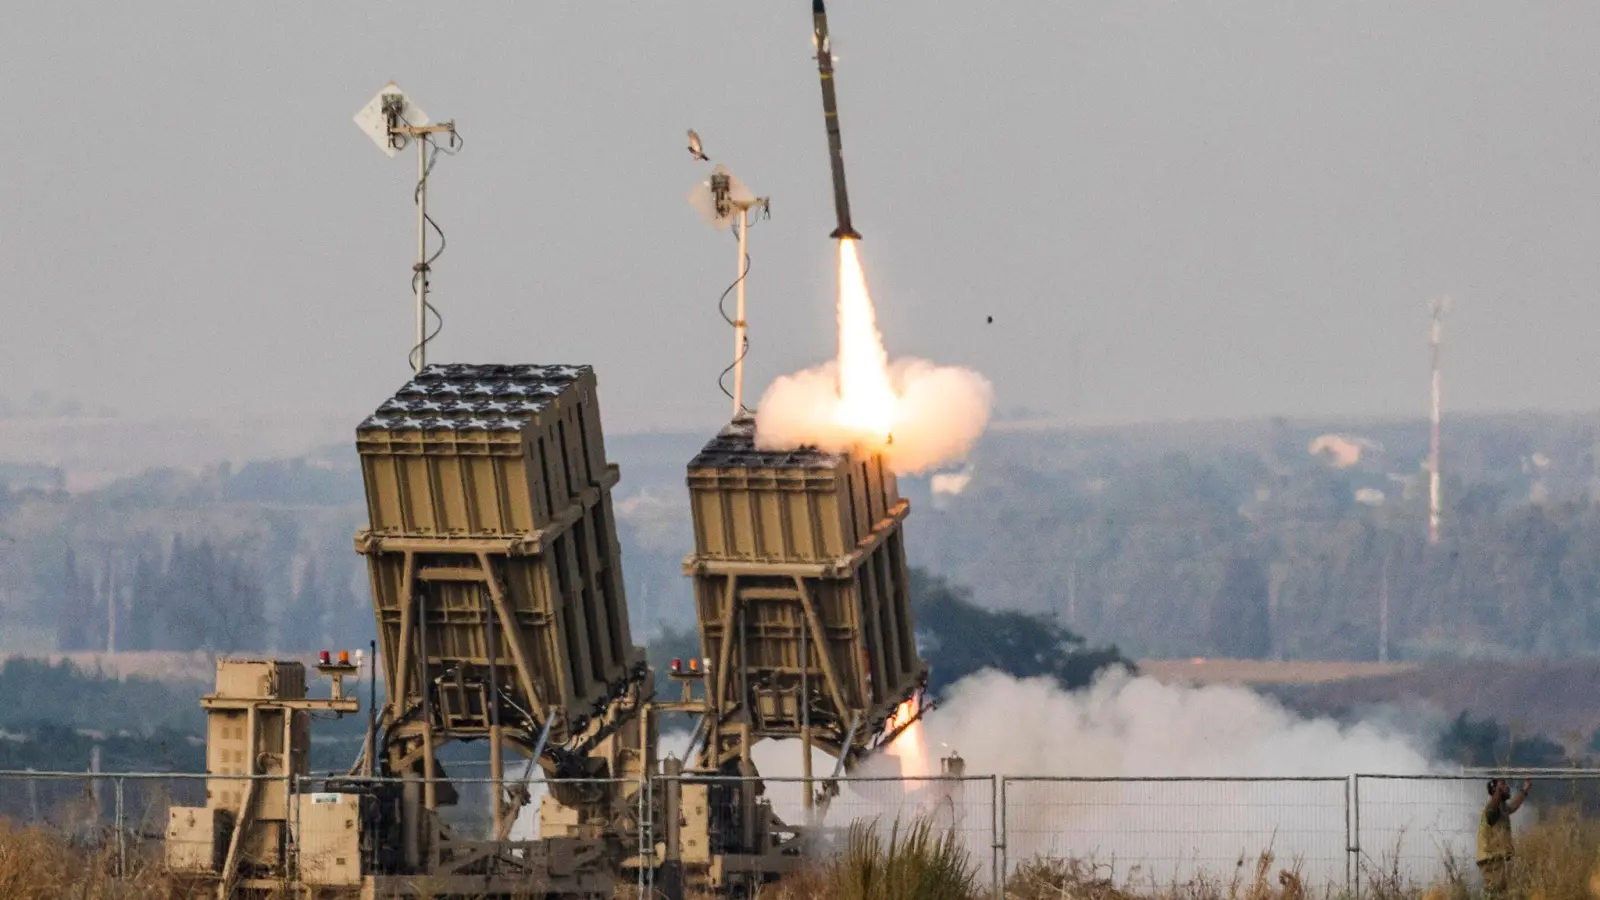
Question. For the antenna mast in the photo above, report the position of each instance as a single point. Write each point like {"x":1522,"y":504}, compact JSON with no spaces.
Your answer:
{"x":725,"y":201}
{"x":1437,"y":306}
{"x":393,"y":121}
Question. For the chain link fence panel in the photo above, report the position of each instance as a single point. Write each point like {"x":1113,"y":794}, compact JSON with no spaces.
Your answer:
{"x":1368,"y":834}
{"x":1156,"y":835}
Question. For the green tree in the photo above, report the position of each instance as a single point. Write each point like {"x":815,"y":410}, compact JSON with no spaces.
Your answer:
{"x":74,"y":606}
{"x":960,"y":638}
{"x":1241,"y":625}
{"x":1485,"y":742}
{"x":301,"y":627}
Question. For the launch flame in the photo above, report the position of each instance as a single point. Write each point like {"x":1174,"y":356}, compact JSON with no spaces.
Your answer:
{"x":911,"y":747}
{"x":918,"y":415}
{"x":867,"y":401}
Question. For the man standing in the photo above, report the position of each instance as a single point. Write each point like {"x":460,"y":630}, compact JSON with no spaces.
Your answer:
{"x":1494,"y":834}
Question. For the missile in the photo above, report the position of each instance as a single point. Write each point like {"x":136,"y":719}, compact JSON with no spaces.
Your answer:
{"x":830,"y":116}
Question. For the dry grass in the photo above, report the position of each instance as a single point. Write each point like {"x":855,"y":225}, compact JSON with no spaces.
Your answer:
{"x":914,"y":861}
{"x":40,"y":864}
{"x":36,"y":864}
{"x":1048,"y":878}
{"x":1558,"y":858}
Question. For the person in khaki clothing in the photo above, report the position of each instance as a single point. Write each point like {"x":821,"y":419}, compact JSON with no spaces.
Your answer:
{"x":1494,"y":834}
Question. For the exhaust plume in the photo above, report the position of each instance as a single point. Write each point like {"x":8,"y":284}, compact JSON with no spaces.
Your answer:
{"x":911,"y":747}
{"x":1136,"y":726}
{"x":1173,"y":814}
{"x":917,"y":414}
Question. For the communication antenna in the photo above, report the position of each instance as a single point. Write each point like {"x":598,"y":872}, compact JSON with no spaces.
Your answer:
{"x":393,"y":121}
{"x":725,"y":201}
{"x":1437,"y":307}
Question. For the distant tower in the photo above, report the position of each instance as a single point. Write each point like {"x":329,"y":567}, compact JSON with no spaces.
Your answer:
{"x":1437,"y":305}
{"x":1383,"y":614}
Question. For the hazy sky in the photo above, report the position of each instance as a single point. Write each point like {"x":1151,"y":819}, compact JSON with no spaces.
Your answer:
{"x":1238,"y":208}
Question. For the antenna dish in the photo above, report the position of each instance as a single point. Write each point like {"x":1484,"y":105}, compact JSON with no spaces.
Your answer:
{"x":720,"y":198}
{"x":393,"y":122}
{"x":389,"y":108}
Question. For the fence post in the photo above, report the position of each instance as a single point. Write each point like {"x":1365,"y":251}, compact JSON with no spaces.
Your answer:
{"x":33,"y":799}
{"x":646,"y":837}
{"x":994,"y":833}
{"x":1355,"y":845}
{"x":1001,"y":835}
{"x":1349,"y":839}
{"x":121,"y":826}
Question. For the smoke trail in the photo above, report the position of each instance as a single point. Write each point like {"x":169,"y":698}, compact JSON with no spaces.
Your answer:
{"x":917,"y":414}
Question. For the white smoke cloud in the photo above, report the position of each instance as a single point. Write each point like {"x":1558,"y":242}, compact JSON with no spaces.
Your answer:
{"x":1133,"y":776}
{"x":1138,"y":726}
{"x":939,"y":415}
{"x":1173,"y":815}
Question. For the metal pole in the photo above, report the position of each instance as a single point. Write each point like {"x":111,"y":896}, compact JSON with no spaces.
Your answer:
{"x":497,"y":769}
{"x":997,"y":815}
{"x":430,"y":789}
{"x":1434,"y":507}
{"x":544,"y":738}
{"x":292,"y":814}
{"x":372,"y":711}
{"x":1355,"y":818}
{"x":744,"y":694}
{"x":422,"y":252}
{"x":1349,"y":844}
{"x":1383,"y":614}
{"x":739,"y":323}
{"x":805,"y":720}
{"x":646,"y":805}
{"x":94,"y":786}
{"x":122,"y":846}
{"x":645,"y":855}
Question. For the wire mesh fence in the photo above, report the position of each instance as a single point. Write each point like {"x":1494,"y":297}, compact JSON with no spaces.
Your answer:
{"x":126,"y":821}
{"x":1420,"y":830}
{"x":1150,"y":834}
{"x":1415,"y":830}
{"x":1350,"y":836}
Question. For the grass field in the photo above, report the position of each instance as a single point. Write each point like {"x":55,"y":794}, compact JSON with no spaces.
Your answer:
{"x":1264,"y":671}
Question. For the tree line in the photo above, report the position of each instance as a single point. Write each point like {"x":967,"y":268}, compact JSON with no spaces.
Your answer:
{"x":1169,"y":541}
{"x":957,"y":638}
{"x":1232,"y":555}
{"x":196,"y":596}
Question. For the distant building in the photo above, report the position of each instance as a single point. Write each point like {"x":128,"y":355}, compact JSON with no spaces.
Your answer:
{"x":1343,"y":451}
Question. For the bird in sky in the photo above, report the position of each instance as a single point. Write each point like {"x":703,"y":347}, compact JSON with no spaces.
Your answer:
{"x":694,"y":147}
